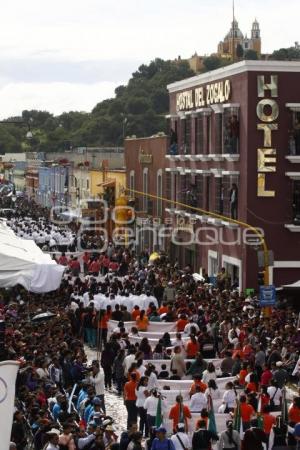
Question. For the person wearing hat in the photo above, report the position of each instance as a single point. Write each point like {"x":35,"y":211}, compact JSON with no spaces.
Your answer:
{"x":161,"y":442}
{"x":180,"y":439}
{"x":53,"y":438}
{"x":230,"y":438}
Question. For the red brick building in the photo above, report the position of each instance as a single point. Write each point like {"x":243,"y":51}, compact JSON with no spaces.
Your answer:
{"x":235,"y":151}
{"x":145,"y":172}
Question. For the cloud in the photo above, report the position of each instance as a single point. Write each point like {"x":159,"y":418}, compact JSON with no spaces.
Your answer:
{"x":53,"y":97}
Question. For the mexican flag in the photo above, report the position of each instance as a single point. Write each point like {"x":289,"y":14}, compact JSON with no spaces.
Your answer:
{"x":237,"y":421}
{"x":158,"y":417}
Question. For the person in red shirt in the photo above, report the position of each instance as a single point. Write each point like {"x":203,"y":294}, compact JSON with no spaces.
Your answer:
{"x":268,"y":420}
{"x":113,"y":266}
{"x":180,"y":412}
{"x":181,"y":323}
{"x":242,"y":375}
{"x":266,"y":376}
{"x":75,"y":267}
{"x":247,"y":412}
{"x":130,"y":400}
{"x":94,"y":267}
{"x":136,"y":312}
{"x":63,"y":260}
{"x":192,"y":347}
{"x":251,"y":386}
{"x":86,"y":260}
{"x":198,"y":382}
{"x":294,"y":412}
{"x":163,"y":309}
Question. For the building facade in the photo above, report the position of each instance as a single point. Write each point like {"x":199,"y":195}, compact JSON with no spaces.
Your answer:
{"x":227,"y":48}
{"x":234,"y":151}
{"x":145,"y":172}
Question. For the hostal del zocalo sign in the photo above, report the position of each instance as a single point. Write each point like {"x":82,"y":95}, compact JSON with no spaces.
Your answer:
{"x":200,"y":97}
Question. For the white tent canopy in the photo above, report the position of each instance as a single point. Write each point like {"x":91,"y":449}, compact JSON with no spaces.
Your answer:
{"x":23,"y":262}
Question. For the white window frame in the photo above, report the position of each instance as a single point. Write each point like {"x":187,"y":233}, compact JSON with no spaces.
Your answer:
{"x":145,"y":188}
{"x":235,"y":262}
{"x":212,"y":255}
{"x":159,"y":191}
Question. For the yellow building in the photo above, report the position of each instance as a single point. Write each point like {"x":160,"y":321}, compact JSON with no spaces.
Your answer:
{"x":227,"y":47}
{"x":107,"y":184}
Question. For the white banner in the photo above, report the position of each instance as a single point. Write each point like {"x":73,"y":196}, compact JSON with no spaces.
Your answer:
{"x":8,"y":375}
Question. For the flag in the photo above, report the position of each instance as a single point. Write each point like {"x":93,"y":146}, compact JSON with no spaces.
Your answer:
{"x":260,"y":419}
{"x":237,"y":421}
{"x":211,"y":415}
{"x":284,"y":407}
{"x":8,"y":375}
{"x":158,"y":417}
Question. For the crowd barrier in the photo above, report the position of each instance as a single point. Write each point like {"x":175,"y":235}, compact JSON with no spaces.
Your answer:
{"x":158,"y":363}
{"x":156,"y":327}
{"x":186,"y":384}
{"x":153,"y":342}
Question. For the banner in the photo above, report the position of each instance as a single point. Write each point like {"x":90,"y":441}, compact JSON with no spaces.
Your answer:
{"x":8,"y":375}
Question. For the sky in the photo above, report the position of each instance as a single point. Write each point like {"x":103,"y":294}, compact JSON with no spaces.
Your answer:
{"x":62,"y":55}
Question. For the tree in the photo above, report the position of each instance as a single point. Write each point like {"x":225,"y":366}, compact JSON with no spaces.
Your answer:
{"x":286,"y":54}
{"x":251,"y":55}
{"x":239,"y":51}
{"x":212,"y":63}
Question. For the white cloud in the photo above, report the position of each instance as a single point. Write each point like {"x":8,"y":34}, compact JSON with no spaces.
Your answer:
{"x":53,"y":97}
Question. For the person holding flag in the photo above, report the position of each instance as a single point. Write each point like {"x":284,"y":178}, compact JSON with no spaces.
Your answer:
{"x":180,"y":413}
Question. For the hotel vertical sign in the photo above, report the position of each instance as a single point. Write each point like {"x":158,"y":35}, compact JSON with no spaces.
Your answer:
{"x":267,"y":111}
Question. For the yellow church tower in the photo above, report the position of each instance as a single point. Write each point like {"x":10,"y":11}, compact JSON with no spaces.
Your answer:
{"x":255,"y":37}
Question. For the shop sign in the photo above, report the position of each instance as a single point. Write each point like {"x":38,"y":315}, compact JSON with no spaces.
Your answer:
{"x":211,"y":94}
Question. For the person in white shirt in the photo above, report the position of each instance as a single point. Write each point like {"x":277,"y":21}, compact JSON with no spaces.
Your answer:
{"x":198,"y":401}
{"x":229,"y":397}
{"x":53,"y":436}
{"x":128,"y":360}
{"x":275,"y":393}
{"x":212,"y":390}
{"x":141,"y":396}
{"x":151,"y":407}
{"x":97,"y":380}
{"x":189,"y":326}
{"x":209,"y":373}
{"x":180,"y":439}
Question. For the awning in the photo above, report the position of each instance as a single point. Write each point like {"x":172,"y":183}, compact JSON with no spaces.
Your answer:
{"x":107,"y":183}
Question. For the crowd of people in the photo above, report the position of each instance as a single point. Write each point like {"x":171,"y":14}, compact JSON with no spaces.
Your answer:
{"x":218,"y":335}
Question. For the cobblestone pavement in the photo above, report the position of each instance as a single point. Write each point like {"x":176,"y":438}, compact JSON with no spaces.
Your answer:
{"x":114,"y":404}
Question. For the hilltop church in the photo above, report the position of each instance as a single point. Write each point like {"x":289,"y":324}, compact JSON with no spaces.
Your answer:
{"x":235,"y":37}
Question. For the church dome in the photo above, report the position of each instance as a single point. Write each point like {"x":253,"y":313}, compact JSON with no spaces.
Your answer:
{"x":235,"y":29}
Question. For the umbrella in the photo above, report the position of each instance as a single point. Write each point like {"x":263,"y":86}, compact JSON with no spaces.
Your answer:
{"x":154,"y":256}
{"x":43,"y":316}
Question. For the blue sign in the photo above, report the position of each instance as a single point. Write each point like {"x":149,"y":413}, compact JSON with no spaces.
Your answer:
{"x":267,"y":296}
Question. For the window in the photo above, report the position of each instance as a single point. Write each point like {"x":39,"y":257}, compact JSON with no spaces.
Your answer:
{"x":231,"y":133}
{"x":218,"y":133}
{"x":132,"y":182}
{"x":87,"y":184}
{"x":187,"y":136}
{"x":294,"y":135}
{"x":296,"y":202}
{"x":230,"y":201}
{"x":173,"y":193}
{"x":198,"y":185}
{"x":207,"y":199}
{"x":208,"y":133}
{"x":159,"y":192}
{"x":219,"y":195}
{"x":199,"y":135}
{"x":145,"y":189}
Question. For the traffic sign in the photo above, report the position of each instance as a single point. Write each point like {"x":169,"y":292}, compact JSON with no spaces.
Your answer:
{"x":267,"y":296}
